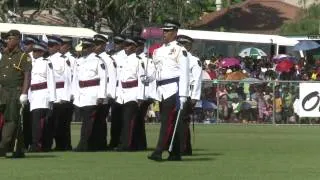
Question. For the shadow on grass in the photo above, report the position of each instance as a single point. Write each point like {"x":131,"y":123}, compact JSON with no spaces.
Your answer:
{"x":198,"y":159}
{"x":199,"y":149}
{"x":35,"y":156}
{"x":207,"y":154}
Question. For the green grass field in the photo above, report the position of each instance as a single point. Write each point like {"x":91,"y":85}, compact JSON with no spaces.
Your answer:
{"x":221,"y":152}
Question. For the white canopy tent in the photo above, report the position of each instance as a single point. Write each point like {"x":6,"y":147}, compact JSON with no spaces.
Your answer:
{"x":239,"y":37}
{"x":47,"y":30}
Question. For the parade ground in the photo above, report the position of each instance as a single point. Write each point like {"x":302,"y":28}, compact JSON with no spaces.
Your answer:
{"x":221,"y":152}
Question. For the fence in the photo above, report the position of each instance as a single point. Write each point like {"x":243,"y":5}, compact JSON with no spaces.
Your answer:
{"x":251,"y":101}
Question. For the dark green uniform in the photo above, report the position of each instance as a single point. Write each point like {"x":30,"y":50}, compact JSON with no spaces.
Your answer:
{"x":12,"y":67}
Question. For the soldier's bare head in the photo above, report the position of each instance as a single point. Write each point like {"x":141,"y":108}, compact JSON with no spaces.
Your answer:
{"x":13,"y":39}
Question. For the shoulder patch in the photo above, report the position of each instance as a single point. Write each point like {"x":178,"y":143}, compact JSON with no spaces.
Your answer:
{"x":113,"y":62}
{"x":199,"y":63}
{"x":68,"y":63}
{"x":139,"y":57}
{"x":103,"y":66}
{"x":45,"y":59}
{"x":50,"y":65}
{"x":98,"y":56}
{"x":185,"y":53}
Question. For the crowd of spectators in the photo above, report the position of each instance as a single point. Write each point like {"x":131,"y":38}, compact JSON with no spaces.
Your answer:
{"x":259,"y":90}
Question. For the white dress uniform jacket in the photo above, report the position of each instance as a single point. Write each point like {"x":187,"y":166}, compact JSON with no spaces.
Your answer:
{"x":62,"y":74}
{"x":147,"y":73}
{"x":129,"y":80}
{"x":89,"y":81}
{"x":43,"y":86}
{"x":112,"y":74}
{"x":171,"y":62}
{"x":120,"y":58}
{"x":195,"y":76}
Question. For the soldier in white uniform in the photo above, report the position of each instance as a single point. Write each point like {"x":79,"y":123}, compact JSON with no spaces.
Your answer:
{"x":100,"y":125}
{"x":89,"y":90}
{"x":127,"y":97}
{"x":118,"y":56}
{"x":172,"y":64}
{"x":63,"y":126}
{"x":195,"y":93}
{"x":28,"y":43}
{"x":41,"y":96}
{"x":62,"y":73}
{"x":146,"y":92}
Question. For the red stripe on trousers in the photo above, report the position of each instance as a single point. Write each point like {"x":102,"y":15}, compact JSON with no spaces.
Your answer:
{"x":1,"y":120}
{"x":41,"y":132}
{"x":170,"y":127}
{"x":93,"y":118}
{"x":131,"y":130}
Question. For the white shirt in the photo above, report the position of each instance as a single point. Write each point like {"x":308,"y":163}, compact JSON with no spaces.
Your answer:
{"x":129,"y":74}
{"x":42,"y":72}
{"x":112,"y":74}
{"x":119,"y":58}
{"x":62,"y":74}
{"x":195,"y":76}
{"x":89,"y":68}
{"x":171,"y":61}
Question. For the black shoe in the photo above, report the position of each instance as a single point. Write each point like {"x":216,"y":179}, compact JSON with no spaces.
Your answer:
{"x":186,"y":154}
{"x":3,"y":153}
{"x":18,"y":155}
{"x":69,"y":148}
{"x":155,"y":157}
{"x":174,"y":158}
{"x":58,"y":149}
{"x":34,"y":149}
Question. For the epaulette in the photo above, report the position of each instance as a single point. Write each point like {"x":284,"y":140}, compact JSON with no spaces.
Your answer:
{"x":63,"y":56}
{"x":113,"y":62}
{"x":45,"y":59}
{"x":98,"y":56}
{"x":139,"y":57}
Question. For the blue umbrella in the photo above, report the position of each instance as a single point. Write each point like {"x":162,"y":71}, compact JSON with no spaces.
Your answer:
{"x":306,"y":45}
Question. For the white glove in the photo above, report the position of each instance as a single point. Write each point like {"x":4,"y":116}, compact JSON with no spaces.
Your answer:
{"x":183,"y":100}
{"x":23,"y":99}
